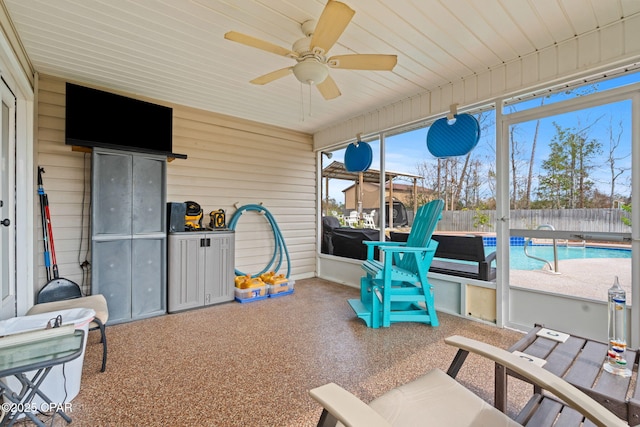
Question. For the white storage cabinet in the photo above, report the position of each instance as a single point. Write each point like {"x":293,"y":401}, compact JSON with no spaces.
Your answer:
{"x":128,"y":239}
{"x":200,"y":268}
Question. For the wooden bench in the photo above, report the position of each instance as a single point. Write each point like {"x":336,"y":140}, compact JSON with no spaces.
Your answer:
{"x":459,"y":255}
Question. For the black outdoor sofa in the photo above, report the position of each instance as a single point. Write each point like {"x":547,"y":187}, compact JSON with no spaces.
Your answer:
{"x":459,"y":255}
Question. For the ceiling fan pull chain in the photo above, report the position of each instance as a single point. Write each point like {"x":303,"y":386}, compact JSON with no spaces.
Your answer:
{"x":309,"y":100}
{"x":301,"y":103}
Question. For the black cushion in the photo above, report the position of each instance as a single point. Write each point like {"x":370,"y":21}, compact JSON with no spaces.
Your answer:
{"x":347,"y":242}
{"x":329,"y":223}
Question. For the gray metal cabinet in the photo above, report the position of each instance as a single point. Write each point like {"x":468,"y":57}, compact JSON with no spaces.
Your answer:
{"x":128,"y":238}
{"x":200,"y":268}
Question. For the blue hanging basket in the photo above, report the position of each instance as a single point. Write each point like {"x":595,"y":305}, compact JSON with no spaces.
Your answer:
{"x":358,"y":157}
{"x":455,"y":138}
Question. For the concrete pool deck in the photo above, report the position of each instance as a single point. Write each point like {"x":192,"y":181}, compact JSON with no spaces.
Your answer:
{"x":586,"y":278}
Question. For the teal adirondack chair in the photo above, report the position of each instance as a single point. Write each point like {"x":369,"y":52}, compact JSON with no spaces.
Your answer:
{"x":396,"y":289}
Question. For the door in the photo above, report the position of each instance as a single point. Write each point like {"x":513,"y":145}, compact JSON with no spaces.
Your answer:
{"x":148,"y":245}
{"x":148,"y":293}
{"x":569,"y":236}
{"x":186,"y":271}
{"x":219,"y":271}
{"x":7,"y":202}
{"x":111,"y":232}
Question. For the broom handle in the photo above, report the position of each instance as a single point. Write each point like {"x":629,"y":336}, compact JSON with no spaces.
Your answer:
{"x":43,"y":216}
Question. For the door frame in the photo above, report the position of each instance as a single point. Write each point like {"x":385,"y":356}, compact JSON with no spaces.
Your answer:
{"x":7,"y":210}
{"x":571,"y":312}
{"x":24,"y":87}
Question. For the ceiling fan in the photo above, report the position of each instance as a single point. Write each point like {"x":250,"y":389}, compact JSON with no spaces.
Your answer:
{"x":310,"y":52}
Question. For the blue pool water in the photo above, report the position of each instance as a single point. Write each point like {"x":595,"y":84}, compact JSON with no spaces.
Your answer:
{"x":519,"y":261}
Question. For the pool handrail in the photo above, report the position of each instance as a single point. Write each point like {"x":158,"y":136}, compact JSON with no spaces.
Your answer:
{"x":554,"y":267}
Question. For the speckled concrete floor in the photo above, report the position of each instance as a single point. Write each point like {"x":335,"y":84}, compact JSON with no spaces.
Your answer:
{"x":253,"y":364}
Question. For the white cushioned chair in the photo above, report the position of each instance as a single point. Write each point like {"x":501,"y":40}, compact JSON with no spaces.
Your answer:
{"x":437,"y":399}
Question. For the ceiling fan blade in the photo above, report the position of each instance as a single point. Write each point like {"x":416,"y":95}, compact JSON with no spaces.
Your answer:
{"x":332,"y":22}
{"x":274,"y":75}
{"x":260,"y":44}
{"x":363,"y":62}
{"x":328,"y":89}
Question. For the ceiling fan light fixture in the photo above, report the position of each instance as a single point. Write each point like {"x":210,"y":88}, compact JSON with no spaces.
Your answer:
{"x":310,"y":72}
{"x":310,"y":52}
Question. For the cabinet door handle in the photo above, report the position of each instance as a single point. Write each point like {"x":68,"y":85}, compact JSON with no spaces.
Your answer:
{"x":203,"y":243}
{"x":208,"y":242}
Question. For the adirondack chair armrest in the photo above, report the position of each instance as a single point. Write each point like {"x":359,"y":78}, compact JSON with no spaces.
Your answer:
{"x":395,"y":252}
{"x":371,"y":245}
{"x":404,"y":249}
{"x":373,"y":266}
{"x":385,"y":243}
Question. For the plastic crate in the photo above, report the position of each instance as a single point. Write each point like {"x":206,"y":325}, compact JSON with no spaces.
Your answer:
{"x":251,"y":294}
{"x":280,"y":290}
{"x":276,"y":289}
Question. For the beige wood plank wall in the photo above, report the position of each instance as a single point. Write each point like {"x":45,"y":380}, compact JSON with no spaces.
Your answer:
{"x":230,"y":161}
{"x":67,"y":180}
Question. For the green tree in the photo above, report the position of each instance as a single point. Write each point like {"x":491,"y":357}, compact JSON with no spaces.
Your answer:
{"x":481,"y":219}
{"x":627,"y":209}
{"x":423,"y":196}
{"x":567,"y":183}
{"x":615,"y":139}
{"x":331,"y":205}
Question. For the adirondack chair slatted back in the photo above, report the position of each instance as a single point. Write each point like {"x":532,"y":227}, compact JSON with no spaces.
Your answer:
{"x":389,"y":292}
{"x":424,"y":224}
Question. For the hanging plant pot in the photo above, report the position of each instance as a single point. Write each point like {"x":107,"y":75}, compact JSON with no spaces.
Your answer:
{"x":358,"y":157}
{"x":453,"y":138}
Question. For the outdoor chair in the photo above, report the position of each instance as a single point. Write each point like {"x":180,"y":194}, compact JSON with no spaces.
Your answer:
{"x":437,"y":399}
{"x":61,"y":294}
{"x":368,"y":221}
{"x":352,"y":219}
{"x":396,"y":289}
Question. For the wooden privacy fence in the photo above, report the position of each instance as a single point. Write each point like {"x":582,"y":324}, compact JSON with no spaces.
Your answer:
{"x":600,"y":220}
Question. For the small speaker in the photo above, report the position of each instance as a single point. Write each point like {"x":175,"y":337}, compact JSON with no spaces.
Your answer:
{"x":175,"y":216}
{"x":218,"y":221}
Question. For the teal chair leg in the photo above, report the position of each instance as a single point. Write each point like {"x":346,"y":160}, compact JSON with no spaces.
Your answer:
{"x":431,"y":308}
{"x":376,"y":309}
{"x":365,"y":289}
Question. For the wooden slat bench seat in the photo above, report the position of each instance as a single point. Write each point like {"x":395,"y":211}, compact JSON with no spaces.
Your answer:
{"x":578,"y":361}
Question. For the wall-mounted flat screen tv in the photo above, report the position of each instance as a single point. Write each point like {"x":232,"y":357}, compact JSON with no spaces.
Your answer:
{"x":96,"y":118}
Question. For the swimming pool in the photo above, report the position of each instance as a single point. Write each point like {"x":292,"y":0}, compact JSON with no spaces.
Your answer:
{"x":519,"y":261}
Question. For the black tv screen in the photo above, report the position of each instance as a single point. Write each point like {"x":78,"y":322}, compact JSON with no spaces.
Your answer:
{"x":95,"y":118}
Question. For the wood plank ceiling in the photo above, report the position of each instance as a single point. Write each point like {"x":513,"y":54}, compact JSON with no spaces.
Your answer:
{"x":174,"y":50}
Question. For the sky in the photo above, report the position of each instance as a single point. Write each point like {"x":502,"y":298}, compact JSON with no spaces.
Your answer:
{"x":405,"y":151}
